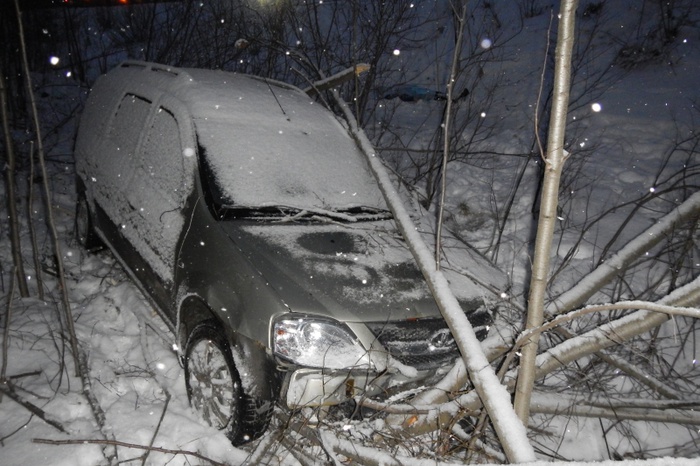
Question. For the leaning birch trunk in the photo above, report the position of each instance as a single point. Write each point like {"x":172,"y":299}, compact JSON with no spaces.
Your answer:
{"x":554,"y":164}
{"x":495,"y":398}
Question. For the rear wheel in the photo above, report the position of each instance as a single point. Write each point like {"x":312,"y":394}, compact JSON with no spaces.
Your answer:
{"x":84,"y":231}
{"x":214,"y":387}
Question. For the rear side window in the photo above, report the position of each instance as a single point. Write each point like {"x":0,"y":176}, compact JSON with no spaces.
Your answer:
{"x":128,"y":123}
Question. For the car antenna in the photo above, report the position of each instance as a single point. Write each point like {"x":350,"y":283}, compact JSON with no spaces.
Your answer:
{"x":275,"y":96}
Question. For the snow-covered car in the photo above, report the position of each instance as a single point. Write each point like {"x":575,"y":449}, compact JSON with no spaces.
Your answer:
{"x":245,"y":212}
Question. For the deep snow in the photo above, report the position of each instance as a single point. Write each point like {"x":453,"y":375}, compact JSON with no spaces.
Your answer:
{"x":135,"y":373}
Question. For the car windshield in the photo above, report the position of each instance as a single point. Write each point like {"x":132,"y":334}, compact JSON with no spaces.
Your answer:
{"x":303,"y":159}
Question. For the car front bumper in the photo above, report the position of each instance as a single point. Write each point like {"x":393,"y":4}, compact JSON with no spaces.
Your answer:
{"x":307,"y":387}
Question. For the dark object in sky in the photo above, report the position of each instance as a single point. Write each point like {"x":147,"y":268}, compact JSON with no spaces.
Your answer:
{"x":414,"y":93}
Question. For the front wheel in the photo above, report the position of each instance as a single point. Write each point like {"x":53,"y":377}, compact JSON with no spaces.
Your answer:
{"x":214,"y":385}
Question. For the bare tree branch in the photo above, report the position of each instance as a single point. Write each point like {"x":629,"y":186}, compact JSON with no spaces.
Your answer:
{"x":117,"y":443}
{"x":616,"y":264}
{"x":545,"y":403}
{"x":7,"y":388}
{"x":49,"y":211}
{"x":11,"y":189}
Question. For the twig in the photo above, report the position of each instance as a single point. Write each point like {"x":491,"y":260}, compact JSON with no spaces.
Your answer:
{"x":7,"y":389}
{"x":263,"y":448}
{"x":623,"y":305}
{"x":461,"y":18}
{"x":18,"y":429}
{"x":49,"y":211}
{"x":155,"y":434}
{"x":118,"y":443}
{"x":6,"y":332}
{"x":32,"y":229}
{"x":97,"y":411}
{"x":25,"y":374}
{"x":11,"y":190}
{"x":539,"y":94}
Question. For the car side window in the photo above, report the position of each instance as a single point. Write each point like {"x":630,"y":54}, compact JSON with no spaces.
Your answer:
{"x":161,"y":160}
{"x":128,"y":122}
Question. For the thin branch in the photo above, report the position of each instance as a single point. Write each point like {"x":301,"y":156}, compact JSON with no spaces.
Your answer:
{"x":7,"y":388}
{"x":446,"y":135}
{"x":6,"y":331}
{"x":97,"y":411}
{"x":117,"y":443}
{"x":624,"y":305}
{"x":538,"y":138}
{"x":49,"y":211}
{"x":32,"y":229}
{"x":11,"y":191}
{"x":613,"y":266}
{"x":155,"y":433}
{"x":546,"y":403}
{"x":615,"y":332}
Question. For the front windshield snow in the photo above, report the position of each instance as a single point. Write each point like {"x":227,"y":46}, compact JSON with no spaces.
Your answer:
{"x":304,"y":158}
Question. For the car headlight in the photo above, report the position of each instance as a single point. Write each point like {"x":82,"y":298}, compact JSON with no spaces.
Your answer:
{"x":314,"y":342}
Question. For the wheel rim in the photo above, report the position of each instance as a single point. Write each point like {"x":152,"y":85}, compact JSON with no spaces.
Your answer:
{"x":213,"y":390}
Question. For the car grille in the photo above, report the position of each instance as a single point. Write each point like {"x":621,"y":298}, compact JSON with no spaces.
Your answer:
{"x":424,"y":343}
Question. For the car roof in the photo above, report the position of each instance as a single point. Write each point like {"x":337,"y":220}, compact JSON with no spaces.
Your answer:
{"x":207,"y":93}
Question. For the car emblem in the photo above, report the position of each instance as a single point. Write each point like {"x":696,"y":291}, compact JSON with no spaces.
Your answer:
{"x":441,"y":339}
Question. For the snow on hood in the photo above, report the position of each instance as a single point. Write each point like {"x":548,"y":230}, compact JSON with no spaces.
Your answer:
{"x":358,"y":273}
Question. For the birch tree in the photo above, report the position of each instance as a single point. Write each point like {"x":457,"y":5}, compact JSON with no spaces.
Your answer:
{"x":554,"y":164}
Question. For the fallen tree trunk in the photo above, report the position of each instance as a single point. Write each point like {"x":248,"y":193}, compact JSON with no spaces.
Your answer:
{"x":496,"y":400}
{"x":499,"y":345}
{"x":587,"y":344}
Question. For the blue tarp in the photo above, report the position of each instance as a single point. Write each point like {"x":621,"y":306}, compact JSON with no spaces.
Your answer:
{"x":414,"y":93}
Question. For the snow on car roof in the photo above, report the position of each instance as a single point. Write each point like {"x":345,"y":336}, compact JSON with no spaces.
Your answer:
{"x":268,"y":143}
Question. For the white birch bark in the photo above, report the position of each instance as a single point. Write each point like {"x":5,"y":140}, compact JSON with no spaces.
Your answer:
{"x":554,"y":164}
{"x":495,"y":398}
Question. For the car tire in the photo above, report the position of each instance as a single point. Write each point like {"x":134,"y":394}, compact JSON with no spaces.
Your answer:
{"x":84,"y":230}
{"x":214,"y":387}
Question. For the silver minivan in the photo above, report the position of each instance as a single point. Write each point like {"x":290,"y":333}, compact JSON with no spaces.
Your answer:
{"x":247,"y":215}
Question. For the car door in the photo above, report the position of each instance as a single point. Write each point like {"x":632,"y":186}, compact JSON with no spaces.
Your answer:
{"x":156,"y":195}
{"x":114,"y":160}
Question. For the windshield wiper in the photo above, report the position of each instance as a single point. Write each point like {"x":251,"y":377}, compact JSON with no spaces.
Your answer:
{"x":282,"y":213}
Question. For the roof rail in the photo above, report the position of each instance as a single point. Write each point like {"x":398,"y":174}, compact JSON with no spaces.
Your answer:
{"x":156,"y":68}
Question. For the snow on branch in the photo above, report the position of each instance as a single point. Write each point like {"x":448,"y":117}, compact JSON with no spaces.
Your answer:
{"x":495,"y":397}
{"x":677,"y":413}
{"x":615,"y":332}
{"x":580,"y":346}
{"x":623,"y":305}
{"x":612,"y":267}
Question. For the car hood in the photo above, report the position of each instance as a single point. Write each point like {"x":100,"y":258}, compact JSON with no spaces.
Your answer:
{"x":355,"y":273}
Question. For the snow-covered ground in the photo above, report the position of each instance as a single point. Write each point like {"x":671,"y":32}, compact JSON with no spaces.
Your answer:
{"x":136,"y":376}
